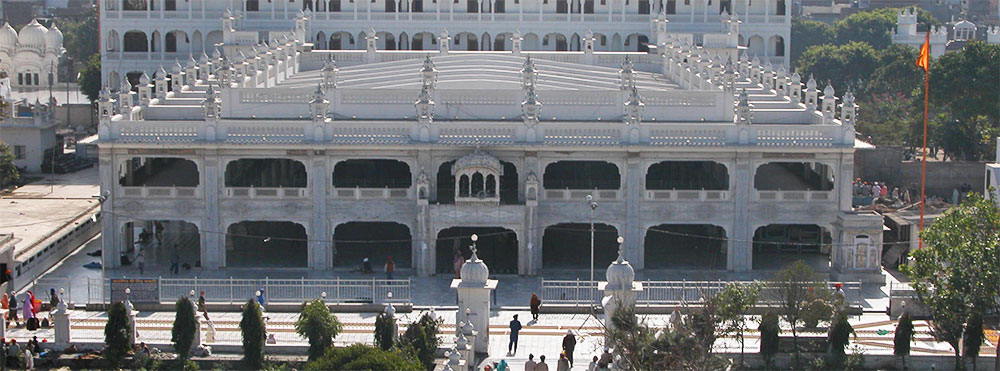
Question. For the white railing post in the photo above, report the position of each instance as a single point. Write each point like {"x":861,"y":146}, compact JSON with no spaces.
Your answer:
{"x":159,"y":287}
{"x":231,"y":289}
{"x":373,"y":290}
{"x":302,"y":292}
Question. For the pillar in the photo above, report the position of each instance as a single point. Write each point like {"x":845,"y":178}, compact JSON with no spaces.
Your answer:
{"x":474,"y":289}
{"x":739,"y":254}
{"x":318,"y":249}
{"x":110,"y":233}
{"x":213,"y":249}
{"x":633,"y":193}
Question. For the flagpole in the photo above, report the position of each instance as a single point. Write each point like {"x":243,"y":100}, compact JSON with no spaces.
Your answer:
{"x":923,"y":170}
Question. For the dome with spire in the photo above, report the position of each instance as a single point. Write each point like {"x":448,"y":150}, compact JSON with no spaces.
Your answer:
{"x":8,"y":37}
{"x":54,"y":38}
{"x":474,"y":271}
{"x":620,"y":274}
{"x":32,"y":35}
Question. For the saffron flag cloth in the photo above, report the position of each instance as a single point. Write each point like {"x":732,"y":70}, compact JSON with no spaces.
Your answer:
{"x":924,"y":60}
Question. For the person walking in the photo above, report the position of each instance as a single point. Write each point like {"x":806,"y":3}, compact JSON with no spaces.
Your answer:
{"x":28,"y":311}
{"x":593,"y":364}
{"x":13,"y":308}
{"x":515,"y":328}
{"x":563,"y":364}
{"x":458,"y":262}
{"x":530,"y":364}
{"x":202,"y":307}
{"x":140,"y":260}
{"x":568,"y":344}
{"x":390,"y":268}
{"x":541,"y":366}
{"x":536,"y":304}
{"x":53,"y":299}
{"x":175,"y":260}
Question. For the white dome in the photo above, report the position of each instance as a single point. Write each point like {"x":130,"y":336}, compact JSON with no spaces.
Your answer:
{"x":32,"y":35}
{"x":8,"y":37}
{"x":474,"y":271}
{"x":620,"y":274}
{"x":54,"y":38}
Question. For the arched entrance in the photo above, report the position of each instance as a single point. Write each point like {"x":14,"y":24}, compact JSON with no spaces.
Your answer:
{"x":685,"y":246}
{"x":162,"y":242}
{"x":266,"y":244}
{"x":777,"y":245}
{"x":567,"y":245}
{"x":377,"y":241}
{"x":497,"y":247}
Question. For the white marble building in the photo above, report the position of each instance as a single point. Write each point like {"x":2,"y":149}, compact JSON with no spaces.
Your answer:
{"x":961,"y":31}
{"x":276,"y":156}
{"x":31,"y":55}
{"x":142,"y":35}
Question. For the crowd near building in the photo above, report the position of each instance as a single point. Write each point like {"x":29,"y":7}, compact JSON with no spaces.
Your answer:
{"x":268,"y":147}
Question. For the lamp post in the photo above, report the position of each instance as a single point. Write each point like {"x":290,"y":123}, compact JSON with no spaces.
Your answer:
{"x":593,"y":207}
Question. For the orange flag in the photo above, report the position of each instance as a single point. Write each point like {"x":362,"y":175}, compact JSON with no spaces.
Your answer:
{"x":924,"y":60}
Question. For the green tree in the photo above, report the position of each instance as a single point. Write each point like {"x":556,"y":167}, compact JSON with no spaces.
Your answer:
{"x":903,"y":336}
{"x":90,"y":78}
{"x":808,"y":33}
{"x":317,"y":324}
{"x":839,"y":337}
{"x":421,"y":339}
{"x":842,"y":66}
{"x":182,"y":334}
{"x":770,"y":336}
{"x":385,"y":331}
{"x":118,"y":341}
{"x":874,"y":26}
{"x":684,"y":346}
{"x":964,"y":85}
{"x":363,"y":357}
{"x":957,"y":272}
{"x":8,"y":172}
{"x":79,"y":37}
{"x":797,"y":284}
{"x":254,"y":332}
{"x":733,"y":302}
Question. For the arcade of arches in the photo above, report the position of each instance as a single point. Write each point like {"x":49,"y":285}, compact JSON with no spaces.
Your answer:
{"x":255,"y":244}
{"x":697,"y":175}
{"x":581,"y":175}
{"x":265,"y":172}
{"x":497,"y":247}
{"x":793,"y":176}
{"x":366,"y":173}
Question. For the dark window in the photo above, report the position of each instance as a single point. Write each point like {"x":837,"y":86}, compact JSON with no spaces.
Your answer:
{"x":781,"y":7}
{"x":500,"y":6}
{"x":335,"y":5}
{"x":726,"y":6}
{"x":170,"y":5}
{"x":135,"y":5}
{"x":643,"y":7}
{"x":253,"y":5}
{"x":588,"y":7}
{"x":170,"y":43}
{"x":561,"y":7}
{"x":20,"y":79}
{"x":390,"y":6}
{"x":671,"y":6}
{"x":418,"y":6}
{"x":472,"y":6}
{"x":136,"y":42}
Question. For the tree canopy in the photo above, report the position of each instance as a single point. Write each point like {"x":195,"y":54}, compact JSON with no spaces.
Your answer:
{"x":364,"y":357}
{"x":8,"y":172}
{"x":317,"y":324}
{"x":875,"y":26}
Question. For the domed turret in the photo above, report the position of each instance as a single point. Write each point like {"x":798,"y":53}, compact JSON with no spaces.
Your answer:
{"x":620,"y":274}
{"x":8,"y":37}
{"x":474,"y":271}
{"x":32,"y":35}
{"x":54,"y":38}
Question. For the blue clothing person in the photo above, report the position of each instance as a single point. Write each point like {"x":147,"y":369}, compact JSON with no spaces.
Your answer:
{"x":515,"y":328}
{"x":260,"y":298}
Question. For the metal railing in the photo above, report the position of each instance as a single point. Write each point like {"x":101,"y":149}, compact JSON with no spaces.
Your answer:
{"x":667,"y":293}
{"x":237,"y":290}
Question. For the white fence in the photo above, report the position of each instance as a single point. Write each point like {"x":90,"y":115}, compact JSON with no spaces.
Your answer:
{"x":236,"y":290}
{"x":583,"y":293}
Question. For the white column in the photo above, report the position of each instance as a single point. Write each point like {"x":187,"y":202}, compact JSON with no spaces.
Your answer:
{"x":61,"y":319}
{"x":321,"y":227}
{"x":213,"y":252}
{"x":739,"y":248}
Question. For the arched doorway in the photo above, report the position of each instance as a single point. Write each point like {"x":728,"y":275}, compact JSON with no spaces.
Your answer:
{"x":377,"y":241}
{"x":567,"y":245}
{"x":497,"y":247}
{"x":162,"y":242}
{"x":264,"y":244}
{"x":685,"y":246}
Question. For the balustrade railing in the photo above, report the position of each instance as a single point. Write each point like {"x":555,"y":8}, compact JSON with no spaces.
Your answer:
{"x":681,"y":195}
{"x":266,"y":192}
{"x":581,"y":194}
{"x":359,"y":193}
{"x":159,"y":192}
{"x":236,"y":290}
{"x":818,"y":196}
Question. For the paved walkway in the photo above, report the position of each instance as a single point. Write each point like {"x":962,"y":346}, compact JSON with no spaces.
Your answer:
{"x":874,"y":333}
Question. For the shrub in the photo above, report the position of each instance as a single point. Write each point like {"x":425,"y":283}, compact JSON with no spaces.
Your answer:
{"x":903,"y":337}
{"x":421,"y":338}
{"x":317,"y":324}
{"x":769,"y":336}
{"x":363,"y":357}
{"x":117,"y":338}
{"x":254,"y":334}
{"x":839,"y":337}
{"x":816,"y":310}
{"x":182,"y":335}
{"x":385,"y":331}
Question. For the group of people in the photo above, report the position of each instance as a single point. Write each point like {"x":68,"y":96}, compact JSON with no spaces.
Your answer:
{"x":389,"y":267}
{"x":28,"y":307}
{"x":18,"y":357}
{"x":877,"y":190}
{"x":565,"y":361}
